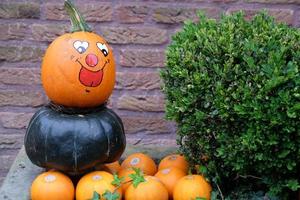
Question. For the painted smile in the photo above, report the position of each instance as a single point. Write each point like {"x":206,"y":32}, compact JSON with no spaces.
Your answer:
{"x":90,"y":78}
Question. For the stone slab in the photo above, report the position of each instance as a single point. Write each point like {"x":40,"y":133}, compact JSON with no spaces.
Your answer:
{"x":17,"y":183}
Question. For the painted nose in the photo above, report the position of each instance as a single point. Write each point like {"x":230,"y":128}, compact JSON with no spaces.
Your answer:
{"x":91,"y":60}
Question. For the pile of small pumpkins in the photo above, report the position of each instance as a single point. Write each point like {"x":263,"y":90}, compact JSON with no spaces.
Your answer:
{"x":137,"y":178}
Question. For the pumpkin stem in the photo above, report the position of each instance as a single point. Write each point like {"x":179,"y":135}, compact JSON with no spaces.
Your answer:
{"x":77,"y":21}
{"x":138,"y":177}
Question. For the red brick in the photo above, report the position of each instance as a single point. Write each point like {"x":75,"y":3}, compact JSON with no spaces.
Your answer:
{"x":152,"y":103}
{"x":180,"y":1}
{"x":132,"y":13}
{"x":281,"y":15}
{"x":142,"y":58}
{"x":6,"y":161}
{"x":48,"y":32}
{"x":137,"y":80}
{"x":275,"y":1}
{"x":152,"y":140}
{"x":21,"y":53}
{"x":13,"y":31}
{"x":94,"y":12}
{"x":22,"y":76}
{"x":19,"y":10}
{"x":178,"y":15}
{"x":149,"y":125}
{"x":134,"y":35}
{"x":224,"y":1}
{"x":15,"y":120}
{"x":21,"y":98}
{"x":11,"y":141}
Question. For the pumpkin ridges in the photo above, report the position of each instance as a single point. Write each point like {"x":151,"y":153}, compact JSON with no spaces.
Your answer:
{"x":117,"y":118}
{"x":106,"y":136}
{"x":32,"y":122}
{"x":122,"y":137}
{"x":59,"y":150}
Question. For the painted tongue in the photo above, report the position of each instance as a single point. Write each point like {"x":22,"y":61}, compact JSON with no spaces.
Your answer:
{"x":90,"y":78}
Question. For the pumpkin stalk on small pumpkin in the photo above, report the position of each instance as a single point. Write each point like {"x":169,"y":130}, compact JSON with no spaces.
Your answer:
{"x":145,"y":188}
{"x":77,"y":21}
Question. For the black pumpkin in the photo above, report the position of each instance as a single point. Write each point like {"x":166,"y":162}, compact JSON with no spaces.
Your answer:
{"x":74,"y":143}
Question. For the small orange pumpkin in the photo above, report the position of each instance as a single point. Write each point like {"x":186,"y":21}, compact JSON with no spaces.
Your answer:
{"x":112,"y":168}
{"x":78,"y":69}
{"x":190,"y":187}
{"x":141,"y":161}
{"x":169,"y":177}
{"x":97,"y":181}
{"x":174,"y":160}
{"x":151,"y":189}
{"x":124,"y":173}
{"x":52,"y":185}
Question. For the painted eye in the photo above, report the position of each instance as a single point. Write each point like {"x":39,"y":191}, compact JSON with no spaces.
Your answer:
{"x":103,"y":48}
{"x":81,"y":46}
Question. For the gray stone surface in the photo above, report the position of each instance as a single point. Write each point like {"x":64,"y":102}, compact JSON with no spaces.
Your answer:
{"x":17,"y":183}
{"x":18,"y":180}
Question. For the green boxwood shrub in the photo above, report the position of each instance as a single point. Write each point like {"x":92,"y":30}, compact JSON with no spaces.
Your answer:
{"x":233,"y":87}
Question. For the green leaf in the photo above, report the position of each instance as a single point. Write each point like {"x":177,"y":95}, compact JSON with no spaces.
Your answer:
{"x":108,"y":195}
{"x":284,"y":153}
{"x":137,"y":177}
{"x":292,"y":112}
{"x":202,"y":169}
{"x":117,"y":181}
{"x":200,"y":198}
{"x":293,"y":184}
{"x":96,"y":196}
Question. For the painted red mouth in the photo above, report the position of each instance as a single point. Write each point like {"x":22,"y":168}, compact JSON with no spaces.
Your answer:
{"x":90,"y":78}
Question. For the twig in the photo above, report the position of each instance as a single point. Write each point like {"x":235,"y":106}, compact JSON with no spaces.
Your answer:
{"x":247,"y":176}
{"x":222,"y":197}
{"x":121,"y":185}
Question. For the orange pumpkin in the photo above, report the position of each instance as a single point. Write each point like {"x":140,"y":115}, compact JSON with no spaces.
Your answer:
{"x":151,"y":189}
{"x":112,"y":168}
{"x":169,"y":177}
{"x":78,"y":69}
{"x":97,"y":181}
{"x":141,"y":161}
{"x":124,"y":173}
{"x":52,"y":185}
{"x":190,"y":187}
{"x":174,"y":160}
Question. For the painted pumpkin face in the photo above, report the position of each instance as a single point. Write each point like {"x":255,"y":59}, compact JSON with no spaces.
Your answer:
{"x":78,"y":70}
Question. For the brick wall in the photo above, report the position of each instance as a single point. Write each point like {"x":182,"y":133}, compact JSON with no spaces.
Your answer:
{"x":138,"y":31}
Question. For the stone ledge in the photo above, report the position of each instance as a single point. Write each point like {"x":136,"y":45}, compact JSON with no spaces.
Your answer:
{"x":21,"y":174}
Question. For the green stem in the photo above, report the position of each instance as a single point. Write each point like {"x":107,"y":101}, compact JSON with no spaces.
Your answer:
{"x":77,"y":21}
